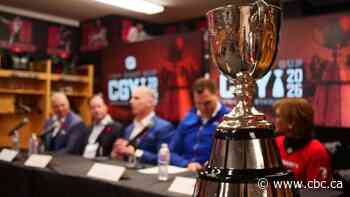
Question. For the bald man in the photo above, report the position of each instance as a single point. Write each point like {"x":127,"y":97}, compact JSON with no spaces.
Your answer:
{"x":145,"y":135}
{"x":103,"y":131}
{"x":64,"y":131}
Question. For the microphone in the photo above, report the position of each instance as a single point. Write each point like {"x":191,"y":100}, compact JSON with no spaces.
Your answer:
{"x":54,"y":124}
{"x":21,"y":124}
{"x":25,"y":108}
{"x":144,"y":130}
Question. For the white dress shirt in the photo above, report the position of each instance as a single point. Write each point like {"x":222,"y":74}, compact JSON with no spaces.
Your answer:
{"x":98,"y":128}
{"x":57,"y":124}
{"x":140,"y":125}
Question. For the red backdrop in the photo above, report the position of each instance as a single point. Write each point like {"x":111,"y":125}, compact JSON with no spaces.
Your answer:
{"x":168,"y":64}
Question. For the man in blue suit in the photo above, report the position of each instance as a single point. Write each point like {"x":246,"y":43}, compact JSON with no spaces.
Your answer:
{"x":64,"y":132}
{"x":193,"y":138}
{"x":145,"y":135}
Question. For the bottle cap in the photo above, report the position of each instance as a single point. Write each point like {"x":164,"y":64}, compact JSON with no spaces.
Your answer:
{"x":34,"y":136}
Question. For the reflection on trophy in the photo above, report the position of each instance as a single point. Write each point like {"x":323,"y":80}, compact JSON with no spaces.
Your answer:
{"x":244,"y":159}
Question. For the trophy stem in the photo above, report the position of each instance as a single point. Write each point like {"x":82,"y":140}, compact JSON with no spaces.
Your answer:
{"x":244,"y":114}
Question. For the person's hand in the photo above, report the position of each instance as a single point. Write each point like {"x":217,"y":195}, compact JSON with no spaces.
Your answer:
{"x":194,"y":166}
{"x":126,"y":150}
{"x":118,"y":148}
{"x":120,"y":142}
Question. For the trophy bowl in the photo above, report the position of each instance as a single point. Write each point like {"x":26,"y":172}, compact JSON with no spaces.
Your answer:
{"x":243,"y":42}
{"x":244,"y":37}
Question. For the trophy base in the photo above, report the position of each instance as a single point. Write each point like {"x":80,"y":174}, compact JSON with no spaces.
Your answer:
{"x":242,"y":184}
{"x":241,"y":149}
{"x":244,"y":162}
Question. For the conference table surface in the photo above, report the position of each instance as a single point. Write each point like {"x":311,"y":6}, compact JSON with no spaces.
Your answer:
{"x":66,"y":175}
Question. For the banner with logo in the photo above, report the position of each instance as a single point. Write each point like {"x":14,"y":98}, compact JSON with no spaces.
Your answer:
{"x":16,"y":33}
{"x":169,"y":65}
{"x":59,"y":41}
{"x":314,"y":63}
{"x":133,"y":31}
{"x":94,"y":36}
{"x":36,"y":38}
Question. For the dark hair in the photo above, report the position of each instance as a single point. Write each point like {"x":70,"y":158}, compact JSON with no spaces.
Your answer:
{"x":202,"y":84}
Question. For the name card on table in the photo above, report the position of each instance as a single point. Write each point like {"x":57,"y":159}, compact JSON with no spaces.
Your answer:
{"x":183,"y":185}
{"x":90,"y":151}
{"x":8,"y":155}
{"x":171,"y":170}
{"x":38,"y":161}
{"x":106,"y":172}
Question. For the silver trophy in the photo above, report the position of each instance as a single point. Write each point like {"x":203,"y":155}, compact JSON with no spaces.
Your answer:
{"x":244,"y":159}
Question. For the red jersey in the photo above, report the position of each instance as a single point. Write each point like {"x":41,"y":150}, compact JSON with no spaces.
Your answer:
{"x":309,"y":162}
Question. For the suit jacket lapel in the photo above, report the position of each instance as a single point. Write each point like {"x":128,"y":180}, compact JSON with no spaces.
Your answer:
{"x":103,"y":132}
{"x":67,"y":121}
{"x":128,"y":131}
{"x":149,"y":130}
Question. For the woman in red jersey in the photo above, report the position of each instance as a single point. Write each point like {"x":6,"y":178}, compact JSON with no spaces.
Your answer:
{"x":306,"y":157}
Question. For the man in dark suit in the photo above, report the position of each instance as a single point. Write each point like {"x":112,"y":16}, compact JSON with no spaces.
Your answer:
{"x":145,"y":135}
{"x":103,"y":132}
{"x":64,"y":132}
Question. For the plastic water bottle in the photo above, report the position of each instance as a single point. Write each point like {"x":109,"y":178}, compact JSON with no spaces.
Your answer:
{"x":33,"y":146}
{"x":163,"y":162}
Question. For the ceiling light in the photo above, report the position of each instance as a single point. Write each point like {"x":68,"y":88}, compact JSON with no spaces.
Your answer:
{"x":136,"y":5}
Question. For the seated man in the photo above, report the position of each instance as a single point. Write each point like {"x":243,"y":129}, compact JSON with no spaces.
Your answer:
{"x":64,"y":132}
{"x":103,"y":132}
{"x":193,"y":138}
{"x":145,"y":135}
{"x":307,"y":158}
